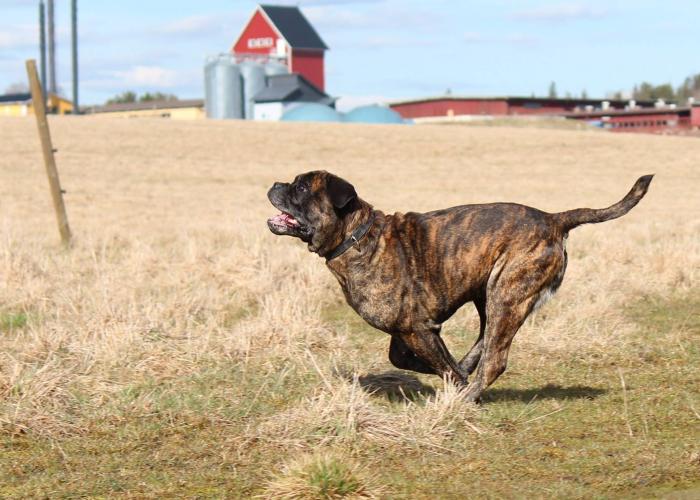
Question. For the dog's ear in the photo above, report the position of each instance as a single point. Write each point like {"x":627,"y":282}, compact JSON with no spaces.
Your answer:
{"x":341,"y":192}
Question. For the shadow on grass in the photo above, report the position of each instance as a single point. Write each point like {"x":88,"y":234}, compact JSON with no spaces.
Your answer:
{"x":400,"y":386}
{"x":548,"y":391}
{"x":393,"y":385}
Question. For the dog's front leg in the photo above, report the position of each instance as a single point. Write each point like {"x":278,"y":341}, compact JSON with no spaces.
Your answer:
{"x":429,"y":348}
{"x":404,"y":358}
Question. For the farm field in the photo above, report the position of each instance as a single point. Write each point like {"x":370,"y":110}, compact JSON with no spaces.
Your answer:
{"x":181,"y":349}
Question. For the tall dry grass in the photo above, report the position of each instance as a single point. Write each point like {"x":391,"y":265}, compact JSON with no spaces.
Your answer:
{"x":173,"y":268}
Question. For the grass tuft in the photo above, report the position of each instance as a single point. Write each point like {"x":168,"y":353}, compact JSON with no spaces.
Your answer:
{"x":324,"y":477}
{"x":343,"y":412}
{"x":12,"y":321}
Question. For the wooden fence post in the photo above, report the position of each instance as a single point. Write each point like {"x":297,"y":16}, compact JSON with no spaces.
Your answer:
{"x":47,"y":148}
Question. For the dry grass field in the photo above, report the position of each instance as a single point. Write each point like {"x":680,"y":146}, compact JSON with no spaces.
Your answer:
{"x":179,"y":349}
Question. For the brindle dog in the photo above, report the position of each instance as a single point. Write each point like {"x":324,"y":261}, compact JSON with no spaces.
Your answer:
{"x":406,"y":274}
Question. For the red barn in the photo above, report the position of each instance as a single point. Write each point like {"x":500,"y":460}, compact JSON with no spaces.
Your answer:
{"x":283,"y":33}
{"x":455,"y":105}
{"x":616,"y":115}
{"x":660,"y":120}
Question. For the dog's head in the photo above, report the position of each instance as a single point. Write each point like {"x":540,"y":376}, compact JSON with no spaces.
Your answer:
{"x":313,"y":208}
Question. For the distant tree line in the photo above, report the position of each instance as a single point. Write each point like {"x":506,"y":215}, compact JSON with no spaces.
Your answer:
{"x":646,"y":91}
{"x":553,"y":94}
{"x":129,"y":96}
{"x":17,"y":88}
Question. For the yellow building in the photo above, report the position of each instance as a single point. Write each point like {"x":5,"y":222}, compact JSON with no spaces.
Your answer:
{"x":21,"y":105}
{"x":188,"y":109}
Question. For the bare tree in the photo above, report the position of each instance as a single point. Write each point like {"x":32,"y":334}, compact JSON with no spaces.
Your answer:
{"x":17,"y":88}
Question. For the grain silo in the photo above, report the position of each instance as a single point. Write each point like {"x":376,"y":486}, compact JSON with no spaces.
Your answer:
{"x":273,"y":68}
{"x":253,"y":74}
{"x":223,"y":88}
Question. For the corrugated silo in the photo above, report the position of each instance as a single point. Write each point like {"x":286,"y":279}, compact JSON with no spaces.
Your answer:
{"x":223,"y":88}
{"x":253,"y":74}
{"x":275,"y":68}
{"x":210,"y":86}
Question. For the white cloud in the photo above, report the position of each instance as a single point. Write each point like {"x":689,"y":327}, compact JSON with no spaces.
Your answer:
{"x":146,"y":76}
{"x":188,"y":25}
{"x":20,"y":3}
{"x":511,"y":39}
{"x":303,"y":3}
{"x":331,"y":19}
{"x":473,"y":37}
{"x":193,"y":25}
{"x":561,"y":12}
{"x":383,"y":16}
{"x":385,"y":42}
{"x":521,"y":39}
{"x":19,"y":37}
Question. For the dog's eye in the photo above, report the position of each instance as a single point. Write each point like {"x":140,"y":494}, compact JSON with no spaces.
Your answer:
{"x":302,"y":188}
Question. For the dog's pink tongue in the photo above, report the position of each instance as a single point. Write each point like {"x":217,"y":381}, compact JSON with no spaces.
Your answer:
{"x":277,"y":219}
{"x":284,"y":219}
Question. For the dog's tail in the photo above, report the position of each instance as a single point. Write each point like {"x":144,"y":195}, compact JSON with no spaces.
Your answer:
{"x":573,"y":218}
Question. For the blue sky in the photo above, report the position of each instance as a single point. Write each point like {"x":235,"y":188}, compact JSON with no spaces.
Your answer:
{"x":380,"y":49}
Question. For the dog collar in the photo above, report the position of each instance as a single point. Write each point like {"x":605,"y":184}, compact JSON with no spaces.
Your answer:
{"x":353,"y":240}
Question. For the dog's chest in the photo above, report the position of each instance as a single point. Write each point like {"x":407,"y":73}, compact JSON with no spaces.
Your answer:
{"x":385,"y":302}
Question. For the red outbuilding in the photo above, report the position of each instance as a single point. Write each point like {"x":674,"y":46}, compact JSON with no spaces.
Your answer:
{"x":660,"y":120}
{"x":616,"y":115}
{"x":283,"y":34}
{"x":448,"y":105}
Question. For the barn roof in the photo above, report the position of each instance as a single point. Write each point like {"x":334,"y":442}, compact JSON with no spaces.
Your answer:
{"x":23,"y":97}
{"x":521,"y":100}
{"x":294,"y":27}
{"x":291,"y":87}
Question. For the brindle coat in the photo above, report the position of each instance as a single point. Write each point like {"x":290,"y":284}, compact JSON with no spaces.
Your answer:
{"x":412,"y":271}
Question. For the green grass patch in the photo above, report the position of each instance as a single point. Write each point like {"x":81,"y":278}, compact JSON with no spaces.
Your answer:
{"x":556,"y":426}
{"x":13,"y":320}
{"x":659,"y":315}
{"x":332,"y":479}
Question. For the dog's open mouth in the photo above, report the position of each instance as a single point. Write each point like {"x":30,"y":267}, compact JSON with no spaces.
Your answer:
{"x":283,"y":220}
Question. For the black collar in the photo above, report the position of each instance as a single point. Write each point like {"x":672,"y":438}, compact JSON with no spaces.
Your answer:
{"x":354,"y":239}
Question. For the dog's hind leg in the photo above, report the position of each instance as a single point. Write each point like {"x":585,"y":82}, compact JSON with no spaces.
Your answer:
{"x":511,"y":297}
{"x":471,"y":359}
{"x":500,"y":330}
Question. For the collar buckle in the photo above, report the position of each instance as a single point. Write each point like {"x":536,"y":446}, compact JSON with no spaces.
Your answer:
{"x":353,"y":240}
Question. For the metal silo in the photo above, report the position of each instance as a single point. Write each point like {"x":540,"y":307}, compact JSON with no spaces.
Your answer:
{"x":223,"y":88}
{"x":275,"y":68}
{"x":253,"y":74}
{"x":210,"y":86}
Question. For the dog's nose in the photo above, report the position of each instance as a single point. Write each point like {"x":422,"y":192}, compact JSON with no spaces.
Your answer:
{"x":275,"y":191}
